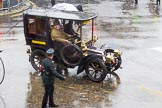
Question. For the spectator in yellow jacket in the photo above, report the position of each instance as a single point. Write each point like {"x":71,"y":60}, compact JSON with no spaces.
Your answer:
{"x":57,"y":34}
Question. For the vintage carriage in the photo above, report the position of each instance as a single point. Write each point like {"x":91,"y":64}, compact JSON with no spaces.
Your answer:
{"x":97,"y":63}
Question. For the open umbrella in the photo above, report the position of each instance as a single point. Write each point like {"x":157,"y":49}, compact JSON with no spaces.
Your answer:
{"x":65,"y":7}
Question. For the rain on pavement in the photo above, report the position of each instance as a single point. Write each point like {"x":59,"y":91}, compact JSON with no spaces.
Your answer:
{"x":134,"y":29}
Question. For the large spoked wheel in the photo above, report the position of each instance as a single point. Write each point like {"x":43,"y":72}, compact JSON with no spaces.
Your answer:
{"x":36,"y":57}
{"x":112,"y":78}
{"x":118,"y":60}
{"x":71,"y":55}
{"x":2,"y":71}
{"x":96,"y":70}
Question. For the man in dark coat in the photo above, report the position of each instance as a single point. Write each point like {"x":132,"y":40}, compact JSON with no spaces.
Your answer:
{"x":48,"y":77}
{"x":53,"y":2}
{"x":157,"y":2}
{"x":68,"y":28}
{"x":136,"y":2}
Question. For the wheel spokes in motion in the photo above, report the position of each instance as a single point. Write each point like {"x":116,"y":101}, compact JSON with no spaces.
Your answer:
{"x":95,"y":70}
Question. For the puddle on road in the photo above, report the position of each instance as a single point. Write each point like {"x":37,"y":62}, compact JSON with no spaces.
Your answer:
{"x":75,"y":92}
{"x":128,"y":5}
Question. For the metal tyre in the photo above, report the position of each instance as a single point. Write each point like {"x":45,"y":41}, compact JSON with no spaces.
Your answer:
{"x":96,"y":70}
{"x":36,"y":57}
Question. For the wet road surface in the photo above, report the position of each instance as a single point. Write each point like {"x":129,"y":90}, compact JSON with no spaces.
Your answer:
{"x":13,"y":91}
{"x":135,"y":30}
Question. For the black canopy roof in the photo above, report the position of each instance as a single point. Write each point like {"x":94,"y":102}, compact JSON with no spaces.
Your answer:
{"x":52,"y":13}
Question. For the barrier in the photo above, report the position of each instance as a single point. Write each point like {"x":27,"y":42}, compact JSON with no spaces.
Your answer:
{"x":16,"y":10}
{"x":19,"y":4}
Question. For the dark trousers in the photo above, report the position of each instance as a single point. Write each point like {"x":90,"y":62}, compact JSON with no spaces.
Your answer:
{"x":49,"y":90}
{"x":53,"y":2}
{"x":157,"y":2}
{"x":136,"y":1}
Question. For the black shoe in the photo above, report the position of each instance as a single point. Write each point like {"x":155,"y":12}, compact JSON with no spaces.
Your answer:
{"x":54,"y":105}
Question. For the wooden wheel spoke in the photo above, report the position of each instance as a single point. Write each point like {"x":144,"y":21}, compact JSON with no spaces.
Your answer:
{"x":93,"y":65}
{"x":92,"y":73}
{"x":95,"y":76}
{"x":98,"y":69}
{"x":91,"y":69}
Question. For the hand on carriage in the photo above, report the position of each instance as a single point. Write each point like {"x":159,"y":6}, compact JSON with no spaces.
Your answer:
{"x":92,"y":41}
{"x":67,"y":42}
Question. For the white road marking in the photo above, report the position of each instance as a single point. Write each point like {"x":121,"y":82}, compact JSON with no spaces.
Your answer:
{"x":159,"y":49}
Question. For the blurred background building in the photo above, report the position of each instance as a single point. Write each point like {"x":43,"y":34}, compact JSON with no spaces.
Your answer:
{"x":9,"y":3}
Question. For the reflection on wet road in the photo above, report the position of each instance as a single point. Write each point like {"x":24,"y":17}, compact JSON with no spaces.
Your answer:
{"x":136,"y":30}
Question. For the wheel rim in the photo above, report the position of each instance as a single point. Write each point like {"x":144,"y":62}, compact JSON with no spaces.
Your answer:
{"x":95,"y":71}
{"x":38,"y":58}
